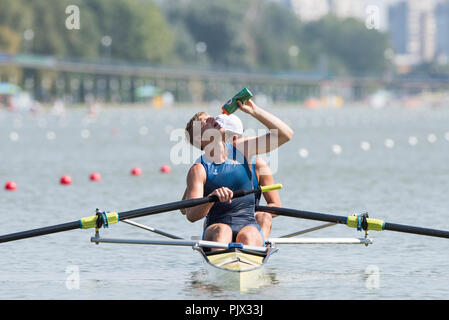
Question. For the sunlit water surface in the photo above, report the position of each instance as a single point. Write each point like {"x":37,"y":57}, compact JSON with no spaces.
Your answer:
{"x":392,"y":163}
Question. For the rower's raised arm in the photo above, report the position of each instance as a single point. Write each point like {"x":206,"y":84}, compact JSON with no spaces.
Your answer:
{"x":279,"y":134}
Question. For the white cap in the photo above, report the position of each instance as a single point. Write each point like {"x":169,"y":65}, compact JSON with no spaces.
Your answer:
{"x":230,"y":123}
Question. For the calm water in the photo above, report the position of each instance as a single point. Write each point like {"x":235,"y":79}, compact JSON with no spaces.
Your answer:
{"x":339,"y":161}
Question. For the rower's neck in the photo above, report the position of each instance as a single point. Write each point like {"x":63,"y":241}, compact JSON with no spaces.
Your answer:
{"x":216,"y":152}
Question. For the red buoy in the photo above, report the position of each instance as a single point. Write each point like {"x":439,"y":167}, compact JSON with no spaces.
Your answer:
{"x":136,"y":171}
{"x":65,"y":179}
{"x":11,"y":186}
{"x":165,"y":168}
{"x":95,"y":176}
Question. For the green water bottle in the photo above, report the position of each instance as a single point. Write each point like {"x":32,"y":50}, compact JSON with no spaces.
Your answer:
{"x":232,"y":104}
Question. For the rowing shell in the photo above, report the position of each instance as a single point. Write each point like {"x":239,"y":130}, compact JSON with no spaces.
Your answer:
{"x":237,"y":267}
{"x":235,"y":263}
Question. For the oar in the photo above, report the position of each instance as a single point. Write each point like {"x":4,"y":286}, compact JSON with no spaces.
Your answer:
{"x":361,"y":222}
{"x":106,"y":218}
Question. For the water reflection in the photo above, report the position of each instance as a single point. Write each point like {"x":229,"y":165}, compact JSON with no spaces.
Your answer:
{"x":204,"y":282}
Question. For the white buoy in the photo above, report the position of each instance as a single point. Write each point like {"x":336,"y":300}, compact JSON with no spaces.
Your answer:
{"x":337,"y":149}
{"x":143,"y":131}
{"x":431,"y":138}
{"x":365,"y":145}
{"x":303,"y":153}
{"x":389,"y":143}
{"x":51,"y":135}
{"x":85,"y":133}
{"x":413,"y":141}
{"x":14,"y":136}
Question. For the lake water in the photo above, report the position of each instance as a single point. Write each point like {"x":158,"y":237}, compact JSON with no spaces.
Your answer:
{"x":393,"y":163}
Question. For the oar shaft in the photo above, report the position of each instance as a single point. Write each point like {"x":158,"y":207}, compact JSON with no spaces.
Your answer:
{"x":416,"y":230}
{"x":373,"y":224}
{"x":113,"y":217}
{"x":40,"y":231}
{"x":165,"y":207}
{"x":303,"y":214}
{"x":90,"y":222}
{"x":186,"y":203}
{"x":122,"y":216}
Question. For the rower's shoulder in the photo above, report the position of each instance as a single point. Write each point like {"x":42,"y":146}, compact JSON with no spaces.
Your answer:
{"x":197,"y":167}
{"x":196,"y":171}
{"x":262,"y":168}
{"x":260,"y":162}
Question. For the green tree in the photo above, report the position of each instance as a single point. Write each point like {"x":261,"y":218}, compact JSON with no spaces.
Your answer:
{"x":250,"y":34}
{"x":218,"y":24}
{"x":277,"y":37}
{"x":9,"y":40}
{"x":139,"y":30}
{"x":349,"y":47}
{"x":82,"y":42}
{"x":15,"y":15}
{"x":244,"y":34}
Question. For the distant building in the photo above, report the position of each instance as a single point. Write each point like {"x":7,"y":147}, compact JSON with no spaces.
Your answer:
{"x":419,"y":29}
{"x":415,"y":30}
{"x":397,"y":26}
{"x":311,"y":10}
{"x":442,"y":30}
{"x":427,"y":36}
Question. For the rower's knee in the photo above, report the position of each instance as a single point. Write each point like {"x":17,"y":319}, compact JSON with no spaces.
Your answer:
{"x":218,"y":232}
{"x":250,"y":236}
{"x":263,"y":219}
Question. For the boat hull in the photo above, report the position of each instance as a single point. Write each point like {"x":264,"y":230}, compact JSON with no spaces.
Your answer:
{"x":236,"y":268}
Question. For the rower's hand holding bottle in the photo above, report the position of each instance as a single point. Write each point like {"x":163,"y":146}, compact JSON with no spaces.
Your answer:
{"x":247,"y":107}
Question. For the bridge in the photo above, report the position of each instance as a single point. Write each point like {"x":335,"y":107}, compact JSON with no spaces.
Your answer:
{"x":48,"y":77}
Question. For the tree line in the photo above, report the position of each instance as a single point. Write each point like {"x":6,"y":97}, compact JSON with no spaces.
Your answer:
{"x":245,"y":35}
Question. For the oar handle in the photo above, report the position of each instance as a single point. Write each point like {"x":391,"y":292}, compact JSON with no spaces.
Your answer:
{"x":241,"y":193}
{"x":182,"y":204}
{"x":271,"y":187}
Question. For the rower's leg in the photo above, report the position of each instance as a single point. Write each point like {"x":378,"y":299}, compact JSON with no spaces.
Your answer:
{"x":250,"y":235}
{"x":219,"y":232}
{"x":264,"y":220}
